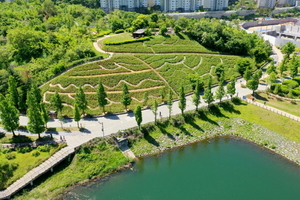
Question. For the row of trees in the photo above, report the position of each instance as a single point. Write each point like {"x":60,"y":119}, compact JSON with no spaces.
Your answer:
{"x":208,"y":98}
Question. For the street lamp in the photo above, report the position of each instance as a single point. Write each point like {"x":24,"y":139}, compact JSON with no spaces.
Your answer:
{"x":102,"y":127}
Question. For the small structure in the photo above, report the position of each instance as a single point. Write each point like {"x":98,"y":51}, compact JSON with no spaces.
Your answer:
{"x":122,"y":142}
{"x":52,"y":114}
{"x":139,"y":33}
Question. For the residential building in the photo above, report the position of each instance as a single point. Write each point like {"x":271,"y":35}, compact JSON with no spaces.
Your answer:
{"x":164,"y":5}
{"x":266,"y":3}
{"x":282,"y":3}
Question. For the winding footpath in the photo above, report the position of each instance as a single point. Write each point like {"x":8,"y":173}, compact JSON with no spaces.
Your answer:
{"x":107,"y":125}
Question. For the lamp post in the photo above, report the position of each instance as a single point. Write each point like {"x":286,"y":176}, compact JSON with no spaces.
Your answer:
{"x":102,"y":127}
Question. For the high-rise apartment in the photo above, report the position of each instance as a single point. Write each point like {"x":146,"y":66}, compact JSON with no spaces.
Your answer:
{"x":286,"y":3}
{"x":164,"y":5}
{"x":266,"y":3}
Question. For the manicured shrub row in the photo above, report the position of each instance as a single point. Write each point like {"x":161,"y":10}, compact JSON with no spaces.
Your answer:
{"x":193,"y":60}
{"x":136,"y":47}
{"x":127,"y":41}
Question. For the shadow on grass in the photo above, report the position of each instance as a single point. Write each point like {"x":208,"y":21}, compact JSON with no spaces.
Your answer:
{"x":180,"y":36}
{"x":162,"y":128}
{"x":204,"y":117}
{"x":191,"y":121}
{"x":257,"y":96}
{"x":149,"y":138}
{"x":228,"y":107}
{"x":20,"y":139}
{"x":182,"y":129}
{"x":215,"y":110}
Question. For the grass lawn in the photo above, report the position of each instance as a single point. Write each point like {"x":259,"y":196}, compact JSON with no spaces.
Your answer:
{"x":249,"y":121}
{"x":93,"y":159}
{"x":120,"y":37}
{"x":24,"y":162}
{"x":283,"y":105}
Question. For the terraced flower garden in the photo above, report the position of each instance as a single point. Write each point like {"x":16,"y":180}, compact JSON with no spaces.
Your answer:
{"x":141,"y":72}
{"x":157,"y":44}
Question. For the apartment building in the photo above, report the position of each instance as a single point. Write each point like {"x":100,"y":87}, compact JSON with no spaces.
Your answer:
{"x":266,"y":3}
{"x":286,"y":3}
{"x":164,"y":5}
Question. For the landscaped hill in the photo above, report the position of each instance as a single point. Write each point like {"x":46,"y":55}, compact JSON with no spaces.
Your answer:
{"x":174,"y":43}
{"x":141,"y":72}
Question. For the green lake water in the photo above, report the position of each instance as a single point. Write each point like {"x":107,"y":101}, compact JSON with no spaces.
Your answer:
{"x":219,"y":168}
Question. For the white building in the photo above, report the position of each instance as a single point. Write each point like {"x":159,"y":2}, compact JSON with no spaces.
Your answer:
{"x":286,"y":3}
{"x":165,"y":5}
{"x":266,"y":3}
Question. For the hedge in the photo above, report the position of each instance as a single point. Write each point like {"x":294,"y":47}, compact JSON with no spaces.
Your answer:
{"x":127,"y":41}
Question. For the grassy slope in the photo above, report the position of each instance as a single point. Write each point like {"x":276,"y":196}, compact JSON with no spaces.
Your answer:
{"x":94,"y":160}
{"x":223,"y":122}
{"x":26,"y":162}
{"x":280,"y":104}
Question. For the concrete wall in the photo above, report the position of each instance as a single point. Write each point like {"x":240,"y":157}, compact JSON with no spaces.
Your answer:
{"x":247,"y":25}
{"x":278,"y":41}
{"x":216,"y":14}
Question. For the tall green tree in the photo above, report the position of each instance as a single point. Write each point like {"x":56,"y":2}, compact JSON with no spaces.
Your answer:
{"x":247,"y":74}
{"x":44,"y":113}
{"x":288,"y":48}
{"x":208,"y":95}
{"x":182,"y":100}
{"x":219,"y":70}
{"x":77,"y":116}
{"x":56,"y":102}
{"x":271,"y":68}
{"x":163,"y":94}
{"x":154,"y":109}
{"x":138,"y":116}
{"x":146,"y":98}
{"x":36,"y":91}
{"x":242,"y":64}
{"x":101,"y":96}
{"x":220,"y":91}
{"x":231,"y":87}
{"x":170,"y":102}
{"x":293,"y":66}
{"x":13,"y":91}
{"x":126,"y":98}
{"x":36,"y":123}
{"x":81,"y":100}
{"x":271,"y":78}
{"x":252,"y":84}
{"x":9,"y":114}
{"x":196,"y":96}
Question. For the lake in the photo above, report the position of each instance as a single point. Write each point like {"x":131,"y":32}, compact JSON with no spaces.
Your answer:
{"x":220,"y":168}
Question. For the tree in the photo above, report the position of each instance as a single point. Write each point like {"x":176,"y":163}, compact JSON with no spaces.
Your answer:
{"x":219,"y":70}
{"x":81,"y":100}
{"x":177,"y":29}
{"x":9,"y":114}
{"x":146,"y":98}
{"x":170,"y":102}
{"x":276,"y":89}
{"x":36,"y":123}
{"x":77,"y":116}
{"x":221,"y":91}
{"x":247,"y":74}
{"x":272,"y":78}
{"x":242,"y":64}
{"x":196,"y":96}
{"x":36,"y":91}
{"x":288,"y":48}
{"x":13,"y":91}
{"x":252,"y":84}
{"x":49,"y":8}
{"x":208,"y":95}
{"x":231,"y":87}
{"x":44,"y":113}
{"x":154,"y":109}
{"x":101,"y":96}
{"x":56,"y":102}
{"x":126,"y":99}
{"x":163,"y":94}
{"x":293,"y":66}
{"x":290,"y":94}
{"x":163,"y":30}
{"x":138,"y":116}
{"x":154,"y":17}
{"x":271,"y":68}
{"x":182,"y":100}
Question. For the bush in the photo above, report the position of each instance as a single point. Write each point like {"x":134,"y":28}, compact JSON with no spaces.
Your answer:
{"x":291,"y":83}
{"x":296,"y":92}
{"x":10,"y":156}
{"x":127,"y":41}
{"x":119,"y":31}
{"x":35,"y":153}
{"x":5,"y":151}
{"x":284,"y":89}
{"x":44,"y":148}
{"x":297,"y":79}
{"x":23,"y":149}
